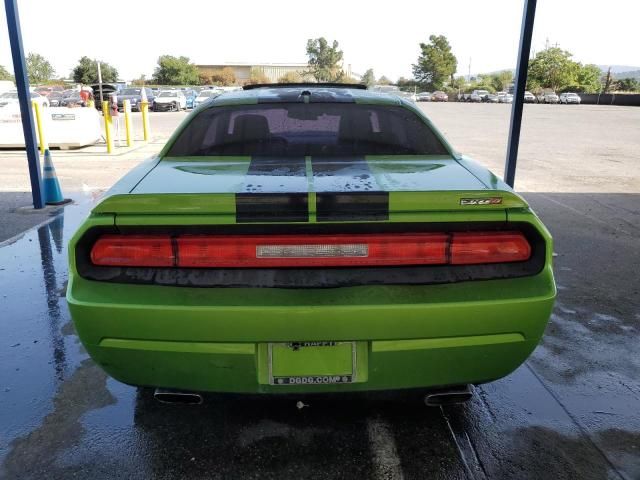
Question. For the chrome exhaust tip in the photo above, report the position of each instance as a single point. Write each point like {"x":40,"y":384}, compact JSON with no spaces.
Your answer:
{"x":165,"y":395}
{"x":448,"y":396}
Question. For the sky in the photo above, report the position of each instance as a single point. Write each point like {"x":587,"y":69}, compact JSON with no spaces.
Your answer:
{"x":379,"y":35}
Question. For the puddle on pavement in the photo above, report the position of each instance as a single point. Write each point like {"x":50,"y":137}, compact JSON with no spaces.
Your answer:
{"x":62,"y":416}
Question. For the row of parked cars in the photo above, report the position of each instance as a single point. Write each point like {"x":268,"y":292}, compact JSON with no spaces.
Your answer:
{"x":164,"y":100}
{"x":437,"y":96}
{"x":504,"y":97}
{"x":174,"y":99}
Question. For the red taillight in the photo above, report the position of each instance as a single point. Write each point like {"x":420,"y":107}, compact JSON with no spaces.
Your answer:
{"x":469,"y":248}
{"x":311,"y":250}
{"x":133,"y":251}
{"x":281,"y":251}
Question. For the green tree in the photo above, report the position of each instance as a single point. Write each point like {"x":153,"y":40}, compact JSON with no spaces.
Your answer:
{"x":481,"y":82}
{"x":628,"y":85}
{"x":140,"y":81}
{"x":325,"y":61}
{"x":86,"y":72}
{"x":553,"y":68}
{"x":38,"y":68}
{"x":384,"y":81}
{"x":175,"y":71}
{"x":407,"y":85}
{"x":290,"y":77}
{"x":500,"y":81}
{"x":368,"y":78}
{"x":588,"y":78}
{"x":4,"y":74}
{"x":436,"y":63}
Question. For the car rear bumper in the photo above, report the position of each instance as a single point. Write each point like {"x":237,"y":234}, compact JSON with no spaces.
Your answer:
{"x":164,"y":107}
{"x":215,"y":339}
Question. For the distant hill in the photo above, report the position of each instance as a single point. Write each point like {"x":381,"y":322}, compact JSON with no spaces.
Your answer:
{"x":621,"y":71}
{"x":631,"y":74}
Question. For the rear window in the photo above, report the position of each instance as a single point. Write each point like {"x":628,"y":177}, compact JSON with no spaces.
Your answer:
{"x":294,"y":129}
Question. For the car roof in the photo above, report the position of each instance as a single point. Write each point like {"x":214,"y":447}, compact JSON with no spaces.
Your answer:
{"x":315,"y":93}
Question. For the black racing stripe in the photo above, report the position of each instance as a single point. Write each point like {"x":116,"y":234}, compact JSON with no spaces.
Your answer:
{"x":276,"y":175}
{"x":272,"y":207}
{"x":275,"y":190}
{"x":347,"y":190}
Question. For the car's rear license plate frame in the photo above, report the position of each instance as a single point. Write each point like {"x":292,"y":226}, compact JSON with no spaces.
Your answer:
{"x":328,"y":363}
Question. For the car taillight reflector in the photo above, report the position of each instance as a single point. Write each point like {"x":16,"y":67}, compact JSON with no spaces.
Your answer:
{"x":469,"y":248}
{"x":311,"y":250}
{"x":133,"y":251}
{"x":282,"y":251}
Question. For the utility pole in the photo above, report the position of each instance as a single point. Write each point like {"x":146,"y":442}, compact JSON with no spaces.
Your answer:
{"x":100,"y":83}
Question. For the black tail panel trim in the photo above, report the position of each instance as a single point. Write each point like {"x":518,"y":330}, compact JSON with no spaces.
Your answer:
{"x":347,"y":190}
{"x":272,"y":207}
{"x":356,"y":206}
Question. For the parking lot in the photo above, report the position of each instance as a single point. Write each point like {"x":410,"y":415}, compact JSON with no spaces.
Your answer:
{"x":572,"y":411}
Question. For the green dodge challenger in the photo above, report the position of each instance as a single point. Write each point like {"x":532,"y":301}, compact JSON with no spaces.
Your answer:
{"x":309,"y":238}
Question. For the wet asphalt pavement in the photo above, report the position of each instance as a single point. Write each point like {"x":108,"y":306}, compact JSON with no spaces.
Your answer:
{"x":571,"y":412}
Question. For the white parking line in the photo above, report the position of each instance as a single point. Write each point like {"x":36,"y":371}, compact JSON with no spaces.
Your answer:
{"x":383,"y":449}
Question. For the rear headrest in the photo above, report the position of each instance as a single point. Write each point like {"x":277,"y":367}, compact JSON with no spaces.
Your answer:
{"x":356,"y":125}
{"x":251,"y":127}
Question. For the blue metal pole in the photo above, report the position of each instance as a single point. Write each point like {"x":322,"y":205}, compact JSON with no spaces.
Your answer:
{"x":518,"y":95}
{"x":26,"y":111}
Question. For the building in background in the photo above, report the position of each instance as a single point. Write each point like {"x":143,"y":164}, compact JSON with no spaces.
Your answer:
{"x":273,"y":71}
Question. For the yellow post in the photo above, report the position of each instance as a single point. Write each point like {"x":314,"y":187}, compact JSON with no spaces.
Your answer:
{"x":144,"y":108}
{"x":107,"y":125}
{"x":127,"y":121}
{"x":43,"y":142}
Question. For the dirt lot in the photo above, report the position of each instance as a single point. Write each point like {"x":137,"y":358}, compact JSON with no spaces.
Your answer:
{"x":563,"y":148}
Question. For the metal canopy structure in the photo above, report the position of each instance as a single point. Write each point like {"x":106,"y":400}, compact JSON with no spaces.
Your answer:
{"x":522,"y":65}
{"x":22,"y":84}
{"x":24,"y":97}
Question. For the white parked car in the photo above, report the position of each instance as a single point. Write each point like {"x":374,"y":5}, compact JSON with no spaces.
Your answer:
{"x":548,"y":97}
{"x":423,"y":97}
{"x":529,"y":97}
{"x":570,"y":98}
{"x":170,"y":100}
{"x":206,"y":95}
{"x":506,"y":98}
{"x":11,"y":97}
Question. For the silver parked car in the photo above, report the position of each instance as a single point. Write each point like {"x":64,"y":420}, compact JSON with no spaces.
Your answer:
{"x":504,"y":97}
{"x":548,"y":97}
{"x":479,"y":96}
{"x":570,"y":98}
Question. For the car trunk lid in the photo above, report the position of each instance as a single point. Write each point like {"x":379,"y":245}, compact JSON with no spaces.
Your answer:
{"x":308,"y":189}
